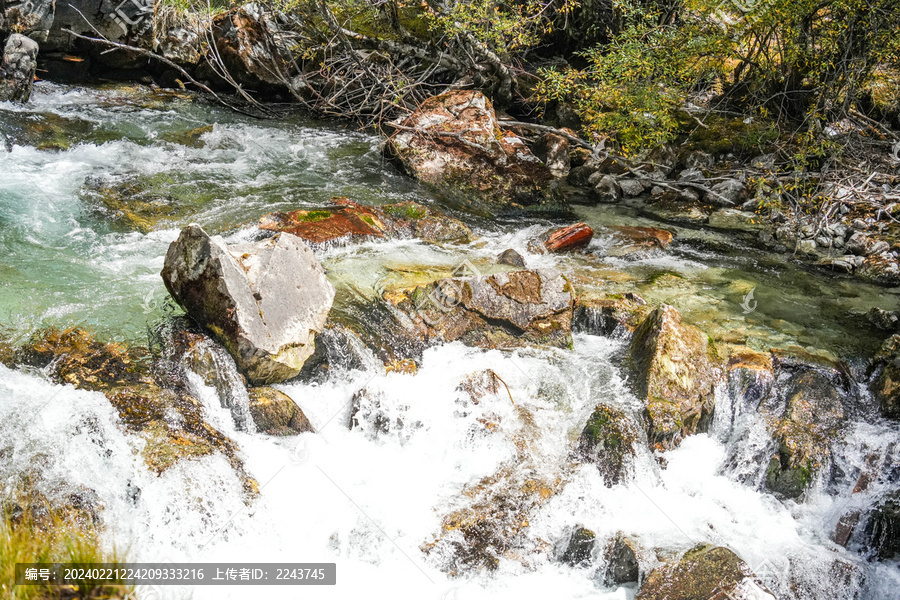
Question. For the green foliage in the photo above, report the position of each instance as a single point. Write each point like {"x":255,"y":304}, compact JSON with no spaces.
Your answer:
{"x":633,"y":88}
{"x":803,"y":61}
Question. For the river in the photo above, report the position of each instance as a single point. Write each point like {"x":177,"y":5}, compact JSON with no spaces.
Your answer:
{"x":370,"y":501}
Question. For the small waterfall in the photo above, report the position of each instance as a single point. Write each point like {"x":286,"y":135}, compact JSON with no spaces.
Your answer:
{"x":209,"y":365}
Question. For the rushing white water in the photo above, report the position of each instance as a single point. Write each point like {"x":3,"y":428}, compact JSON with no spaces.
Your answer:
{"x":363,"y":498}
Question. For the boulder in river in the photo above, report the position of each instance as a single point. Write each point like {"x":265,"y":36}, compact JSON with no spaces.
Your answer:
{"x":346,"y":220}
{"x":811,"y":419}
{"x":275,"y":413}
{"x":676,"y":367}
{"x":622,"y":562}
{"x":264,"y":301}
{"x":579,"y":549}
{"x":885,"y":384}
{"x":705,"y":572}
{"x":608,"y":441}
{"x":882,"y":530}
{"x":454,"y":142}
{"x":503,"y":310}
{"x":18,"y":68}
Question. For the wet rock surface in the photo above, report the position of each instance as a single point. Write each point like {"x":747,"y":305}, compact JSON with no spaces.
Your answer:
{"x":147,"y":396}
{"x":503,"y":310}
{"x":275,"y":413}
{"x":676,"y":368}
{"x":608,"y":441}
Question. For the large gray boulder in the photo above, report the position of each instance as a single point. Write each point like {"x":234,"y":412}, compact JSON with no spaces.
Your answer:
{"x":264,"y":301}
{"x":18,"y":68}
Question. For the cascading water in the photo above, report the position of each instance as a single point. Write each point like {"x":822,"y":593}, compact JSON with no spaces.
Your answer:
{"x":371,"y":498}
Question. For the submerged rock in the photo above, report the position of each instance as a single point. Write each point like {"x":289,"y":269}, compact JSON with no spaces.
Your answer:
{"x":676,"y":368}
{"x":263,"y":301}
{"x":608,"y":441}
{"x":275,"y":413}
{"x":144,"y":203}
{"x":18,"y":68}
{"x":348,"y":221}
{"x":512,"y":258}
{"x":704,"y":573}
{"x":503,"y":310}
{"x":629,"y":240}
{"x":454,"y":142}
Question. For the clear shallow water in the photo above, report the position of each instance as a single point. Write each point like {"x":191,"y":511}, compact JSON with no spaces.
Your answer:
{"x":364,"y":500}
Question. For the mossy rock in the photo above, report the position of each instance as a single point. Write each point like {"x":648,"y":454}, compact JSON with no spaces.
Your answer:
{"x":811,"y":420}
{"x":676,"y":369}
{"x":74,"y":356}
{"x":275,"y":413}
{"x":704,"y":573}
{"x":192,"y":138}
{"x":608,"y":441}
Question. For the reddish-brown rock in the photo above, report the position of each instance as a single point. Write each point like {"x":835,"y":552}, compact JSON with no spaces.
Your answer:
{"x":346,"y":220}
{"x":454,"y":142}
{"x":569,"y":238}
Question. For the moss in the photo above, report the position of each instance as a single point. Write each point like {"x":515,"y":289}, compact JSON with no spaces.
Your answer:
{"x":310,"y":216}
{"x":407,"y":210}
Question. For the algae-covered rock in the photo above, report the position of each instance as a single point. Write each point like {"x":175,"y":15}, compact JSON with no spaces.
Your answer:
{"x":608,"y":441}
{"x":275,"y":413}
{"x":676,"y":370}
{"x":153,"y":404}
{"x":704,"y":573}
{"x":143,"y":203}
{"x":346,"y":220}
